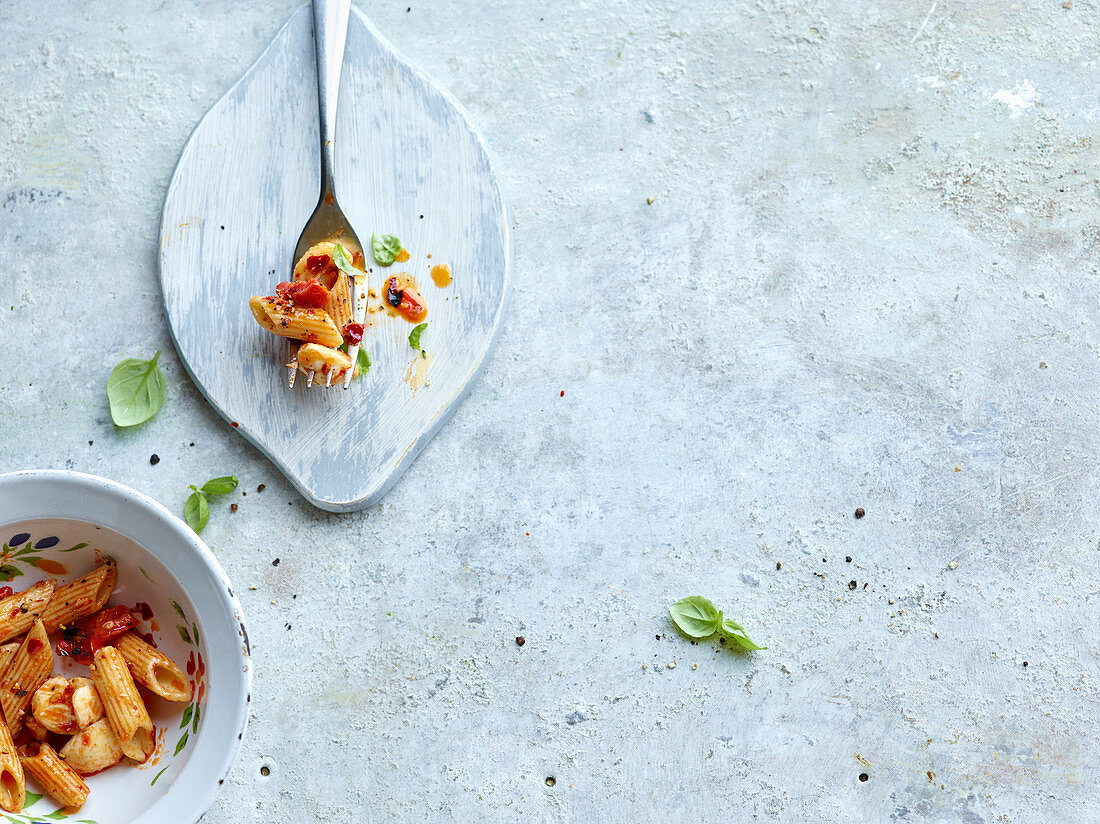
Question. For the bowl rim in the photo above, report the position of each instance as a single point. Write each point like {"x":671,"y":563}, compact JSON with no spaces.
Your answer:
{"x":187,"y":797}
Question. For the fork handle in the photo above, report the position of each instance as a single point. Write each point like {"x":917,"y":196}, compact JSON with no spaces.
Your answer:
{"x":330,"y":32}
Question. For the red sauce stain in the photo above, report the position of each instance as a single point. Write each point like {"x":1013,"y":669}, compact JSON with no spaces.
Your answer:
{"x":234,"y":424}
{"x":144,"y":610}
{"x":34,"y":646}
{"x":328,"y":198}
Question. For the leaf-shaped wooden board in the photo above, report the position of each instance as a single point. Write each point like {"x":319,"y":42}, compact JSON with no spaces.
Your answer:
{"x":407,"y":163}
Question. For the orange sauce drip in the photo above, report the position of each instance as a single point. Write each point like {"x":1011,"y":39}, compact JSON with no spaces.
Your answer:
{"x":402,"y":256}
{"x":441,"y":275}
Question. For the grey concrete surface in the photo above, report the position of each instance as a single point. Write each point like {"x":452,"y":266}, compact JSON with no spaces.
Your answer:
{"x":867,"y":279}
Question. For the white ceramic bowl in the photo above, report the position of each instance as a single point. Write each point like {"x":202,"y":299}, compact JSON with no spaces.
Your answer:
{"x":57,"y":524}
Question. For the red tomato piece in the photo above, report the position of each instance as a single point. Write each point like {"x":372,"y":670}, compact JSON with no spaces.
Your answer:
{"x":353,"y":334}
{"x":6,"y":592}
{"x":309,"y":294}
{"x":315,"y":264}
{"x":283,"y":289}
{"x":406,"y":301}
{"x":82,"y":639}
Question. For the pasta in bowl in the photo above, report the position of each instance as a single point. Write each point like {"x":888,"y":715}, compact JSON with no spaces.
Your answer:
{"x":124,"y":671}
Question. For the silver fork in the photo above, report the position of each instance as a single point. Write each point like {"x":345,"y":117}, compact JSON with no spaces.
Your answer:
{"x":330,"y":32}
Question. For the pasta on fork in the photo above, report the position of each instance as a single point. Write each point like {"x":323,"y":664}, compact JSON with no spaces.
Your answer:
{"x":315,"y":308}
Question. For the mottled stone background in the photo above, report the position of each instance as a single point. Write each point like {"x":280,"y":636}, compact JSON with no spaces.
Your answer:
{"x":867,"y":279}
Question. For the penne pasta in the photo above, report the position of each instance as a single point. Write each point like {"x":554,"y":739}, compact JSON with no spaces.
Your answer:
{"x":29,"y":668}
{"x":6,"y":653}
{"x":86,"y":704}
{"x":339,"y":301}
{"x":125,"y":709}
{"x":318,"y":263}
{"x":104,"y":717}
{"x":153,"y":669}
{"x":52,"y":706}
{"x":93,"y":749}
{"x":18,"y":611}
{"x":283,"y":318}
{"x":81,"y":597}
{"x":13,"y":784}
{"x":58,"y":779}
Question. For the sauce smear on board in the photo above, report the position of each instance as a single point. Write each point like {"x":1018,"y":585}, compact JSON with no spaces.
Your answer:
{"x":441,"y":275}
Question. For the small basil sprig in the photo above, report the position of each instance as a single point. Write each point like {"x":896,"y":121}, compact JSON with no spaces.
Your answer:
{"x":385,"y":248}
{"x":136,"y":390}
{"x":343,"y":262}
{"x":197,"y":510}
{"x":414,"y":335}
{"x":697,"y":617}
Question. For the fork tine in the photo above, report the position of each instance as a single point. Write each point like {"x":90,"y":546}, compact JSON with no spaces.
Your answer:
{"x":329,"y":381}
{"x":309,"y":378}
{"x":293,"y":367}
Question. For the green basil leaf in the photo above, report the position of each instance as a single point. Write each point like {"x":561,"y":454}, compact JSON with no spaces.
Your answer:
{"x":384,"y":248}
{"x":220,"y":486}
{"x":696,"y":616}
{"x":414,"y":335}
{"x":343,"y":262}
{"x":197,"y":511}
{"x":363,"y":359}
{"x":136,"y":390}
{"x":735,"y":634}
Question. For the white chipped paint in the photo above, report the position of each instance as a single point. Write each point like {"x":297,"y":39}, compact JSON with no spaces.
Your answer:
{"x":1021,"y":98}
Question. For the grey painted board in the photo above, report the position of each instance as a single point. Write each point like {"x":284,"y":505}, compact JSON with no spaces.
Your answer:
{"x":407,"y":163}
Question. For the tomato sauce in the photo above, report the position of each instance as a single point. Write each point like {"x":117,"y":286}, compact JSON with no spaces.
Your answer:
{"x":405,"y":300}
{"x":441,"y":275}
{"x":84,"y":638}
